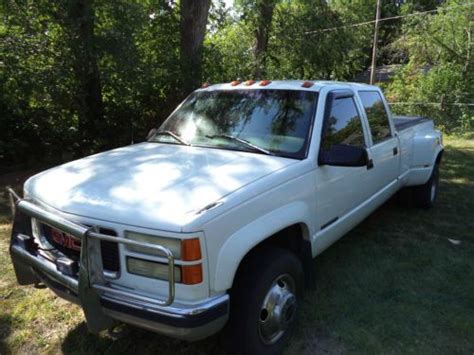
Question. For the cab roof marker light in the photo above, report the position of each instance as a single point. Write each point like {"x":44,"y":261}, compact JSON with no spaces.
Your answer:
{"x":265,"y":82}
{"x":205,"y":85}
{"x":249,"y":82}
{"x":235,"y":82}
{"x":307,"y":84}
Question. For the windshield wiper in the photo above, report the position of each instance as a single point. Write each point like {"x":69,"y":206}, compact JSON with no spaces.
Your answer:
{"x":174,"y":135}
{"x":241,"y":141}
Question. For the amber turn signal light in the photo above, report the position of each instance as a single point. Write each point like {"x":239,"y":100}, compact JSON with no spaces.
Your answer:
{"x":191,"y":274}
{"x":190,"y":249}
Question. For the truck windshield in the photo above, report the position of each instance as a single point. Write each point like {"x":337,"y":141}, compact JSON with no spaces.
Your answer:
{"x":265,"y":121}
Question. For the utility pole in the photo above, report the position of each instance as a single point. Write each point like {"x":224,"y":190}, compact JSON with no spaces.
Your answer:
{"x":374,"y":48}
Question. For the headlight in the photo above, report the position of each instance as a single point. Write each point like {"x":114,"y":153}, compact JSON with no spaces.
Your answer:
{"x":186,"y":249}
{"x":151,"y":269}
{"x":174,"y":245}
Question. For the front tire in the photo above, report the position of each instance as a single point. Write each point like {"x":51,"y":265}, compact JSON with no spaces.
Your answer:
{"x":425,"y":195}
{"x":264,"y":302}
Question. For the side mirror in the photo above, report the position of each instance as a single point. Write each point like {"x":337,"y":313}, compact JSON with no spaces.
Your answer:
{"x":343,"y":155}
{"x":151,"y":133}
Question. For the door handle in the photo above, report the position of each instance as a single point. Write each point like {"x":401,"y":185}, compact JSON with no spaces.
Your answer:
{"x":395,"y":151}
{"x":370,"y":164}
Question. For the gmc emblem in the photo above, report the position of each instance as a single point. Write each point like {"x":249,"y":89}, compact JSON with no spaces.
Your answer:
{"x":65,"y":240}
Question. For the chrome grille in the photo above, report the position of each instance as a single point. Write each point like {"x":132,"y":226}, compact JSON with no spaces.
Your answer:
{"x":108,"y":250}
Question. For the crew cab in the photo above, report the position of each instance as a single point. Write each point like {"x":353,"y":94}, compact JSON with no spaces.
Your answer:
{"x":213,"y":222}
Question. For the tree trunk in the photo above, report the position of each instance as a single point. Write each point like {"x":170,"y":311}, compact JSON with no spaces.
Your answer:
{"x":194,"y":15}
{"x":80,"y":22}
{"x":262,"y":33}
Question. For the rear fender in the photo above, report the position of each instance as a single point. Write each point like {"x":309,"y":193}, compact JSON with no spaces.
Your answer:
{"x":426,"y":148}
{"x":427,"y":152}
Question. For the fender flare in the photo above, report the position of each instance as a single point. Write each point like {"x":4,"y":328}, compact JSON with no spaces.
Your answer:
{"x":439,"y":149}
{"x":245,"y":239}
{"x":438,"y":155}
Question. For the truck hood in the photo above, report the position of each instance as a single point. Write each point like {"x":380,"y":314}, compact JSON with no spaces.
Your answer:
{"x":150,"y":185}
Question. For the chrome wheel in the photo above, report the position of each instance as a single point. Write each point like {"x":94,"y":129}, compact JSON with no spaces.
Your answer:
{"x":278,"y":309}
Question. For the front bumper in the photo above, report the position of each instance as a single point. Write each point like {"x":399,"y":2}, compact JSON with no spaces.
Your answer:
{"x":102,"y":302}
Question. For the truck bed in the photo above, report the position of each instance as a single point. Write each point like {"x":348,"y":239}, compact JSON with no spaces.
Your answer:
{"x":404,"y":122}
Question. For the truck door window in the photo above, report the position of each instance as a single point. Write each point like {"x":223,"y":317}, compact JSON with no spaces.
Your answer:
{"x":376,"y":115}
{"x":342,"y":125}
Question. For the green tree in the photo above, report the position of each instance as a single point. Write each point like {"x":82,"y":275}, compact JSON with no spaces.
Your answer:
{"x":439,"y":76}
{"x":38,"y":120}
{"x":194,"y":14}
{"x":79,"y":23}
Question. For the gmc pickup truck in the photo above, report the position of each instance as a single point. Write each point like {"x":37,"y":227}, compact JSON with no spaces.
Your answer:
{"x":213,"y":222}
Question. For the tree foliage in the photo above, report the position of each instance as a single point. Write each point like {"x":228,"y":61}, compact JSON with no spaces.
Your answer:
{"x":78,"y":76}
{"x":439,"y":77}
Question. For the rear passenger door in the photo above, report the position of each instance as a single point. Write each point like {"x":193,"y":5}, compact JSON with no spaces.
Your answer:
{"x":384,"y":149}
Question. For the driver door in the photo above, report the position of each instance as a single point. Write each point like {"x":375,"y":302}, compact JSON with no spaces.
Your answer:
{"x":339,"y":189}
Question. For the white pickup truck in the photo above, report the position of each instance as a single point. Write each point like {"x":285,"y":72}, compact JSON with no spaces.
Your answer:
{"x":214,"y":221}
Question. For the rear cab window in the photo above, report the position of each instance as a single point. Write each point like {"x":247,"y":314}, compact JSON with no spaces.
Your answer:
{"x":377,"y":115}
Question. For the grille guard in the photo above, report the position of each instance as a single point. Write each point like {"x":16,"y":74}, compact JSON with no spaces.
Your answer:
{"x":91,"y":284}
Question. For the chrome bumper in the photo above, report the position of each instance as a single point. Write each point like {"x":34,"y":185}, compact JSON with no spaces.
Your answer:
{"x":102,"y":303}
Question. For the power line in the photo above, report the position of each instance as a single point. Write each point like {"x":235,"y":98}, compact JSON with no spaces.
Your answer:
{"x":383,"y":19}
{"x":433,"y":103}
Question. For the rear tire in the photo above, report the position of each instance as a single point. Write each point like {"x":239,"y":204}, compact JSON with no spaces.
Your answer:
{"x":264,"y":302}
{"x":425,"y":195}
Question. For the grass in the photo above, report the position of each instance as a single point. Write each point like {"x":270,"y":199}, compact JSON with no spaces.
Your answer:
{"x":395,"y":284}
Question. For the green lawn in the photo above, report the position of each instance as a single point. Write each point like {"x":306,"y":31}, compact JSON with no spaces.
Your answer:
{"x":395,"y":284}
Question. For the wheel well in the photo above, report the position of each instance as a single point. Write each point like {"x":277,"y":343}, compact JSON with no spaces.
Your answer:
{"x":294,"y":238}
